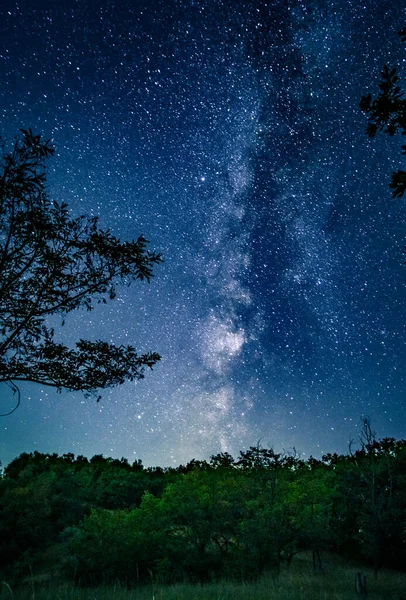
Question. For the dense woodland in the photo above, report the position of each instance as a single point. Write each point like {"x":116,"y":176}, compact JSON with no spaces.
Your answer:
{"x":102,"y":520}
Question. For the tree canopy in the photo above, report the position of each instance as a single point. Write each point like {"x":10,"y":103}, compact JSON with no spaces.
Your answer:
{"x":52,"y":264}
{"x":105,"y":519}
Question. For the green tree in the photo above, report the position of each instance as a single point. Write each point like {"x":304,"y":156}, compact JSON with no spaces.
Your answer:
{"x":267,"y":534}
{"x":376,"y":489}
{"x":312,"y":494}
{"x":133,"y":545}
{"x":102,"y":546}
{"x":387,"y":113}
{"x":52,"y":264}
{"x":192,"y":507}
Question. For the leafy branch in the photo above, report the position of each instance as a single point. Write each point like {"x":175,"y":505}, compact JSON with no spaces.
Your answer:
{"x":51,"y":263}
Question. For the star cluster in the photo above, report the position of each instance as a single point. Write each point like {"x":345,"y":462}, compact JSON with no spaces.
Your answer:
{"x":230,"y":135}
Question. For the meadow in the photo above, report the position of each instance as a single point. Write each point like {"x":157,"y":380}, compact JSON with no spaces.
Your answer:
{"x":297,"y":582}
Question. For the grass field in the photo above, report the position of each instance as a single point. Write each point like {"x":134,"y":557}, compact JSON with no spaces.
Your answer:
{"x":295,"y":583}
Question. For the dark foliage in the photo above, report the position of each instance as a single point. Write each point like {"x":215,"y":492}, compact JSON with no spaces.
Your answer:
{"x":104,"y":519}
{"x":51,"y":263}
{"x":387,"y":113}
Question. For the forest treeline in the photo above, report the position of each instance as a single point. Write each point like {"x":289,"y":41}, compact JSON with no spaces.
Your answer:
{"x":104,"y":519}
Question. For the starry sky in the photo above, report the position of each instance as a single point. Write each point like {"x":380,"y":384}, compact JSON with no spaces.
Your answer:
{"x":228,"y":133}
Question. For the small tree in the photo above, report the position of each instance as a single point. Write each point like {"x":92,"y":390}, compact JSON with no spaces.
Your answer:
{"x":51,"y":263}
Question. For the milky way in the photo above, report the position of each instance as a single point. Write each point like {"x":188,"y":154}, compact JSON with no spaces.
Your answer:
{"x":230,"y":135}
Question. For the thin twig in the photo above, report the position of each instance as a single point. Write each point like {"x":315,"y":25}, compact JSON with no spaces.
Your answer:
{"x":15,"y":389}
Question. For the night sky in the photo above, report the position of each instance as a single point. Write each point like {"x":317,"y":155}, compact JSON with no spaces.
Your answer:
{"x":229,"y":134}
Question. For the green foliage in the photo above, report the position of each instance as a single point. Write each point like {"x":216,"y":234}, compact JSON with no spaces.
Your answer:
{"x":52,"y":264}
{"x":103,"y":519}
{"x":379,"y":467}
{"x":104,"y":546}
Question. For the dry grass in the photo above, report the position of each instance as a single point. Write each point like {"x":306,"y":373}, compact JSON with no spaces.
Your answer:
{"x":296,"y":583}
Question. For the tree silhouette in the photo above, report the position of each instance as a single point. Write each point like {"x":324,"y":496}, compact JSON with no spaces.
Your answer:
{"x":387,"y":113}
{"x":52,"y":264}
